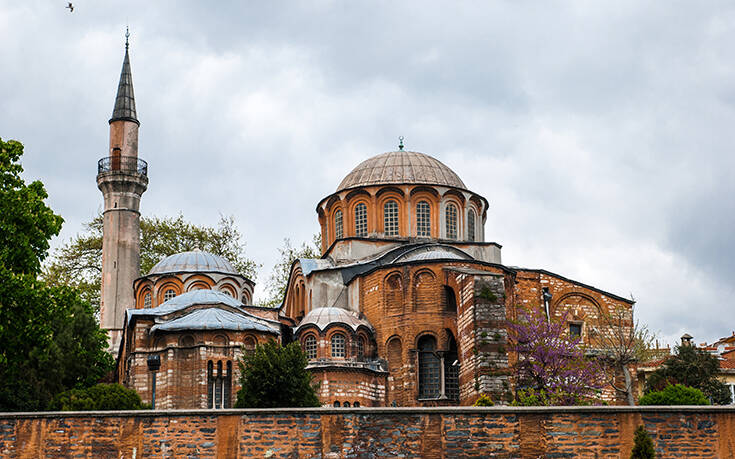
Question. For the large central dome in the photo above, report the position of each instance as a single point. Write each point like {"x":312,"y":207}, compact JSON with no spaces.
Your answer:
{"x":398,"y":167}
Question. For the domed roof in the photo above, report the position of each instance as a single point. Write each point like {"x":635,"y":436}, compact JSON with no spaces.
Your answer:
{"x":194,"y":261}
{"x":397,"y":167}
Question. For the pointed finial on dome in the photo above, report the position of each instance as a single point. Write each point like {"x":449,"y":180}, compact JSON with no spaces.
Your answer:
{"x":400,"y":143}
{"x":127,"y":35}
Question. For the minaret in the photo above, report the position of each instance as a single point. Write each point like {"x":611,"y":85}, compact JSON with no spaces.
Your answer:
{"x":122,"y":178}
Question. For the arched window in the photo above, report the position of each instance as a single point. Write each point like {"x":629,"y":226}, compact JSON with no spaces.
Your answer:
{"x":338,"y":345}
{"x":360,"y":347}
{"x":423,"y":219}
{"x":429,"y":369}
{"x":346,"y":404}
{"x":338,"y":225}
{"x":471,"y":225}
{"x":249,"y":344}
{"x":390,"y":218}
{"x":218,"y":386}
{"x":450,"y":298}
{"x":228,"y":386}
{"x":168,"y":294}
{"x":187,"y":341}
{"x":361,"y":220}
{"x":336,"y":404}
{"x":210,"y":385}
{"x":227,"y":292}
{"x":356,"y":404}
{"x":310,"y":347}
{"x":451,"y":221}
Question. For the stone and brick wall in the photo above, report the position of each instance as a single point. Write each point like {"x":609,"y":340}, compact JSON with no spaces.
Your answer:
{"x":580,"y":432}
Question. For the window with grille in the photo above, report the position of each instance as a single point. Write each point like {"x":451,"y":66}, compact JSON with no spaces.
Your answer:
{"x":338,"y":225}
{"x":423,"y":219}
{"x":147,"y":300}
{"x":451,"y":221}
{"x":390,"y":218}
{"x":429,"y":370}
{"x":338,"y":345}
{"x":310,"y":347}
{"x":219,"y":385}
{"x":451,"y":371}
{"x":361,"y":220}
{"x":170,"y":293}
{"x":471,"y":225}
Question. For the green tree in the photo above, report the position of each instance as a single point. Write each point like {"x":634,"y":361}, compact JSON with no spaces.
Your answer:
{"x":674,"y":395}
{"x":693,"y":367}
{"x":642,"y":445}
{"x":79,"y":262}
{"x":49,"y":340}
{"x":278,"y":280}
{"x":275,"y":376}
{"x":100,"y":397}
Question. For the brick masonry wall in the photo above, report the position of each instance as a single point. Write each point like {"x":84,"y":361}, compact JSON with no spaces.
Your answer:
{"x":585,"y":432}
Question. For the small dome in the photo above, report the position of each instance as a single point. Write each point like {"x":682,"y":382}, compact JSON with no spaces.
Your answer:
{"x":197,"y":297}
{"x":398,"y":167}
{"x":323,"y":317}
{"x":194,"y":261}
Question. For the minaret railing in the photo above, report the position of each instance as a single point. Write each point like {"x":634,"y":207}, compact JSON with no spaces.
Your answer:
{"x":129,"y":164}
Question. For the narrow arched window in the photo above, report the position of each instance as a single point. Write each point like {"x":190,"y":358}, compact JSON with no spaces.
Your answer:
{"x":361,"y":220}
{"x":429,"y":370}
{"x":356,"y":404}
{"x":338,"y":225}
{"x":210,"y":385}
{"x":361,"y":347}
{"x":423,"y":219}
{"x":228,"y":386}
{"x":451,"y":221}
{"x":346,"y":404}
{"x":336,"y":404}
{"x":338,"y":345}
{"x":168,"y":294}
{"x":147,"y":300}
{"x":471,"y":225}
{"x":390,"y":218}
{"x":310,"y":347}
{"x":451,"y":370}
{"x":218,"y":384}
{"x":450,"y":298}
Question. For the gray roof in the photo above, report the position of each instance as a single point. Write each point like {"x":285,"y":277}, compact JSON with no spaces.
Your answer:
{"x":213,"y":319}
{"x":125,"y":100}
{"x":432,"y":252}
{"x":194,"y":261}
{"x":323,"y":317}
{"x":397,"y":167}
{"x":195,"y":297}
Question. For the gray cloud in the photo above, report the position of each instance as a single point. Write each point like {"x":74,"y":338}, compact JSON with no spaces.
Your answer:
{"x":601,"y":133}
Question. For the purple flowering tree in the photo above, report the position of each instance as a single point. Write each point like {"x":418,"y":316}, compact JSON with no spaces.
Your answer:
{"x":551,"y":368}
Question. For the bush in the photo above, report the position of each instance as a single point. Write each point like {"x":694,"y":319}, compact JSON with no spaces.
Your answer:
{"x":675,"y":395}
{"x":642,"y":445}
{"x":532,"y":397}
{"x":484,"y":400}
{"x":101,"y":397}
{"x":275,"y":376}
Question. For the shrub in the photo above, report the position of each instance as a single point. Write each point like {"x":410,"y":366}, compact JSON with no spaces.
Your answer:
{"x":675,"y":395}
{"x":484,"y":400}
{"x":642,"y":445}
{"x":101,"y":397}
{"x":532,"y":397}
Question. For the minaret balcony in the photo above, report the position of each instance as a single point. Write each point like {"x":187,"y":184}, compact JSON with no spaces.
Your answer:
{"x":124,"y":164}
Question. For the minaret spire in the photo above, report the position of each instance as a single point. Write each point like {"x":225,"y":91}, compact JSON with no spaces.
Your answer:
{"x":125,"y":101}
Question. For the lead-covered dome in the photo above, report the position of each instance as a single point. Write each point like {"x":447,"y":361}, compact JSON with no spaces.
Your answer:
{"x":397,"y":167}
{"x":194,"y":261}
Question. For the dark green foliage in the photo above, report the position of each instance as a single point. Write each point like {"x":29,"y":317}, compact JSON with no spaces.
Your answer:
{"x":49,"y":339}
{"x":26,"y":222}
{"x":675,"y":395}
{"x":484,"y":400}
{"x":101,"y":397}
{"x":275,"y":376}
{"x":693,"y":367}
{"x":642,"y":445}
{"x":487,"y":293}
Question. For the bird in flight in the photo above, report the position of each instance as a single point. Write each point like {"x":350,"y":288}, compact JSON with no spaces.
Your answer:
{"x":70,"y":7}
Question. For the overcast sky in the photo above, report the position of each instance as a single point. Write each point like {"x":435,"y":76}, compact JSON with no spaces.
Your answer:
{"x":601,"y":133}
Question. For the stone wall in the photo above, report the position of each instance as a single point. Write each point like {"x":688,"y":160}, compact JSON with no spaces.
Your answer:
{"x":586,"y":432}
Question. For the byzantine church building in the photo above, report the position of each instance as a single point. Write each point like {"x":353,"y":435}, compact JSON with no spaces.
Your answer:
{"x":407,"y":305}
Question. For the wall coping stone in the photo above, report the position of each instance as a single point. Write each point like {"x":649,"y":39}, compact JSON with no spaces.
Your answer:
{"x":446,"y":410}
